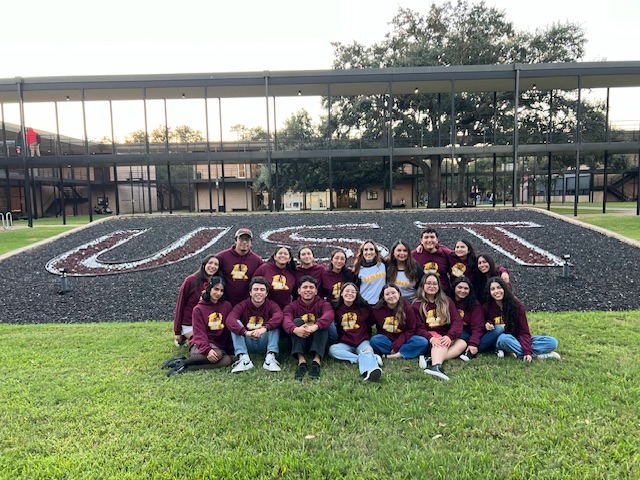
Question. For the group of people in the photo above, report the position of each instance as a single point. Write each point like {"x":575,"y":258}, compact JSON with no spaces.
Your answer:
{"x":430,"y":303}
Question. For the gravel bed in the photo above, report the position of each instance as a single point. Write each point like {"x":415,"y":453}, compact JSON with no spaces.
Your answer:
{"x":604,"y":274}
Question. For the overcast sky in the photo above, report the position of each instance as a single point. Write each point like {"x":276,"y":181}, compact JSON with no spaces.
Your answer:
{"x":71,"y":37}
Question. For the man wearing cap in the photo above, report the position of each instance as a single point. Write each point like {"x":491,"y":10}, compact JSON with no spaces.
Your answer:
{"x":238,"y":264}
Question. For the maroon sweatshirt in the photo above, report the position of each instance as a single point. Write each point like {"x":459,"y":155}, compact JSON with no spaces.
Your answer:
{"x":353,"y":324}
{"x":332,"y":283}
{"x":237,"y":271}
{"x":267,"y":315}
{"x":472,"y":321}
{"x":429,"y":322}
{"x":319,"y":311}
{"x":315,"y":271}
{"x":493,"y":314}
{"x":187,"y":299}
{"x":282,"y":282}
{"x":440,"y":261}
{"x":209,"y":326}
{"x":387,"y":324}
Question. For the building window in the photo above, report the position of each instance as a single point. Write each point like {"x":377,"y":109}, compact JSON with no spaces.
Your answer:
{"x":371,"y":195}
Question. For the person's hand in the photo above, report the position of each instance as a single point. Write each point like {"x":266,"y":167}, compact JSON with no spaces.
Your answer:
{"x":179,"y":338}
{"x":445,"y":341}
{"x":527,"y":358}
{"x":489,"y":326}
{"x":419,"y":249}
{"x":213,"y":356}
{"x":473,"y":350}
{"x":301,"y":331}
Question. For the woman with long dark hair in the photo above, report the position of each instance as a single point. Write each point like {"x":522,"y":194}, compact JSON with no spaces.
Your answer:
{"x":280,"y":273}
{"x":210,"y":345}
{"x":505,"y":308}
{"x":479,"y":335}
{"x":403,"y":270}
{"x":335,"y":275}
{"x":189,"y":295}
{"x":440,"y":323}
{"x":396,"y":326}
{"x":487,"y":269}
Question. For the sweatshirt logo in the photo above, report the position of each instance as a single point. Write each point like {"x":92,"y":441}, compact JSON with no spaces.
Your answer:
{"x":498,"y":320}
{"x":461,"y":312}
{"x":349,"y":321}
{"x":458,"y":269}
{"x":215,"y":321}
{"x":279,"y":282}
{"x":371,"y":278}
{"x":391,"y":325}
{"x":431,"y":267}
{"x":432,"y":320}
{"x":309,"y":318}
{"x":239,"y":272}
{"x":335,"y":291}
{"x":254,"y":322}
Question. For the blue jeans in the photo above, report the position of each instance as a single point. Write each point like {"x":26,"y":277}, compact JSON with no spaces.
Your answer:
{"x":488,"y":340}
{"x":266,"y":343}
{"x":412,"y":348}
{"x":539,"y":344}
{"x":365,"y":360}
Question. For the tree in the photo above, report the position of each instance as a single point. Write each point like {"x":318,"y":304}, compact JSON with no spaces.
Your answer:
{"x":454,"y":34}
{"x":135,"y":137}
{"x":186,"y":134}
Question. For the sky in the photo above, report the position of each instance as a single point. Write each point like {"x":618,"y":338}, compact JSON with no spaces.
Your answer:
{"x":73,"y":38}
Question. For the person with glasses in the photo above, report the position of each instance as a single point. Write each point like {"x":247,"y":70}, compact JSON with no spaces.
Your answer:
{"x":440,"y":323}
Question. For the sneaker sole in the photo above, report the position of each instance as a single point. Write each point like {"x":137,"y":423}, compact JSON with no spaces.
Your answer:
{"x":374,"y":375}
{"x":436,"y":374}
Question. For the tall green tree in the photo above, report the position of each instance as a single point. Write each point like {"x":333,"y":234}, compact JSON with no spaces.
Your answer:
{"x":450,"y":33}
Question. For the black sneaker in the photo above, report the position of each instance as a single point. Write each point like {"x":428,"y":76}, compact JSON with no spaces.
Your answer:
{"x":436,"y":371}
{"x":314,"y":373}
{"x":173,"y":362}
{"x":301,"y":372}
{"x":466,"y":356}
{"x":177,"y":370}
{"x":373,"y":375}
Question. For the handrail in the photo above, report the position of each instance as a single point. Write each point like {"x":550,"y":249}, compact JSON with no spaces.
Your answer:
{"x":7,"y":220}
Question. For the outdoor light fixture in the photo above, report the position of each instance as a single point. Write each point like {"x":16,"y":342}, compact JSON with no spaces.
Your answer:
{"x":184,"y":96}
{"x":68,"y":98}
{"x":299,"y":92}
{"x":416,"y":90}
{"x":535,"y":87}
{"x":63,"y":281}
{"x":565,"y":266}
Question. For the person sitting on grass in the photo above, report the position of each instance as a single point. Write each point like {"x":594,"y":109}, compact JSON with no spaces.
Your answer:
{"x":307,"y":320}
{"x":480,"y":336}
{"x":396,"y":326}
{"x":440,"y":323}
{"x":353,"y":320}
{"x":189,"y":296}
{"x":505,"y":308}
{"x":255,"y":327}
{"x":211,"y":342}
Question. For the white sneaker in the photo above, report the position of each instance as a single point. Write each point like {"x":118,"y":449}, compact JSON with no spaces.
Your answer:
{"x":424,"y":362}
{"x":545,"y":356}
{"x":270,"y":363}
{"x":243,"y":364}
{"x":378,"y":359}
{"x":500,"y":353}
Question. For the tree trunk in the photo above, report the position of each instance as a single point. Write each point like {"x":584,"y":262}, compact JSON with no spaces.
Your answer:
{"x":434,"y":178}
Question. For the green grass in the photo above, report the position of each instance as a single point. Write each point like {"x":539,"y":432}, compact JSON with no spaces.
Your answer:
{"x":628,"y":226}
{"x":18,"y":238}
{"x":90,"y":401}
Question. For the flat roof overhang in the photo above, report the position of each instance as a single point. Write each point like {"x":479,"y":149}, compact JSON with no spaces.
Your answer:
{"x":471,"y":78}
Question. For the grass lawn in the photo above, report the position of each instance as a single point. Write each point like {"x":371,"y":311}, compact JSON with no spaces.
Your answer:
{"x":18,"y":238}
{"x":90,"y":401}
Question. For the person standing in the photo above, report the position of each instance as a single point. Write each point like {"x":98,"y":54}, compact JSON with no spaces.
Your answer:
{"x":370,"y":271}
{"x":308,"y":266}
{"x":403,"y":270}
{"x":238,"y":265}
{"x":307,"y":320}
{"x":33,"y":140}
{"x":255,"y":327}
{"x":433,"y":257}
{"x":280,"y":272}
